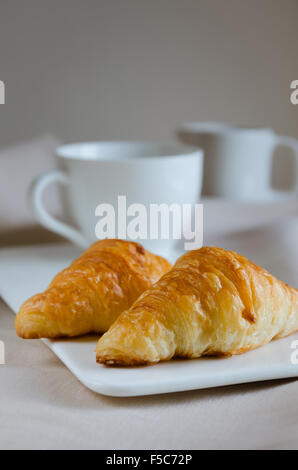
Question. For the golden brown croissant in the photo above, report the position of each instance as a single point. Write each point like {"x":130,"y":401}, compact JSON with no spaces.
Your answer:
{"x":88,"y":296}
{"x":211,"y":302}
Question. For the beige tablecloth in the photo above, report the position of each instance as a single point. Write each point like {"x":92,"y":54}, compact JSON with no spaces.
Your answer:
{"x":43,"y":406}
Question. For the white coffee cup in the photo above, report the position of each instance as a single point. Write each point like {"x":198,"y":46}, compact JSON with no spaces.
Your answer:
{"x":98,"y":172}
{"x":238,"y":162}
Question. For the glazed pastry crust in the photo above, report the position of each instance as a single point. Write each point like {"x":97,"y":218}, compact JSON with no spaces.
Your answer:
{"x":212,"y":302}
{"x":89,"y":295}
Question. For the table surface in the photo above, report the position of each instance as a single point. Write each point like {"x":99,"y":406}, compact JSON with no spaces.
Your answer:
{"x":43,"y":406}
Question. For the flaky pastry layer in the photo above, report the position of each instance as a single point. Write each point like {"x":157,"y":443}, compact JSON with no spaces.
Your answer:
{"x":212,"y":302}
{"x":88,"y":296}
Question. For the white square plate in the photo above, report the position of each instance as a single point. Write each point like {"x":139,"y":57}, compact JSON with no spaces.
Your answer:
{"x":28,"y":270}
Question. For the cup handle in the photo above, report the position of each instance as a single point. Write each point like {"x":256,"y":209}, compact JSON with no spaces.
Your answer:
{"x":35,"y":193}
{"x":292,"y":143}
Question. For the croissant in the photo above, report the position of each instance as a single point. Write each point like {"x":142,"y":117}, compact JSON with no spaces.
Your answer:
{"x":212,"y":302}
{"x":88,"y":296}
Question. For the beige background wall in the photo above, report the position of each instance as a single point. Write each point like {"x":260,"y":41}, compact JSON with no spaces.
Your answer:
{"x":134,"y":69}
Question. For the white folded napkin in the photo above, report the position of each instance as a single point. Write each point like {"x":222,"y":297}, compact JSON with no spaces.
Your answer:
{"x":19,"y":165}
